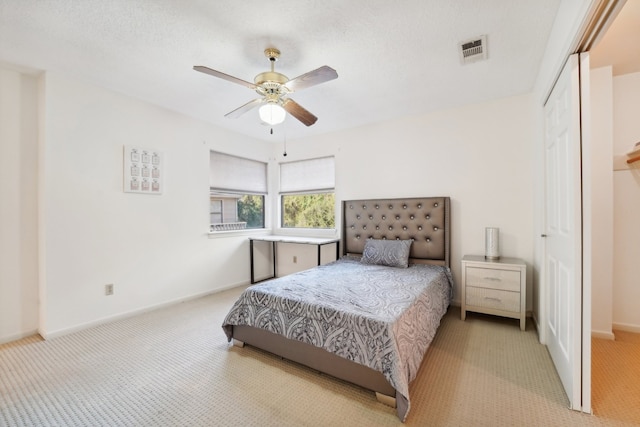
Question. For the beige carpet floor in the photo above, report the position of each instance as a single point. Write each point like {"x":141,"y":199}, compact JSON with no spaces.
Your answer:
{"x":173,"y":367}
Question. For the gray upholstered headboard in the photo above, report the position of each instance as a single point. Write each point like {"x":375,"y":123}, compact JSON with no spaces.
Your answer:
{"x":423,"y":219}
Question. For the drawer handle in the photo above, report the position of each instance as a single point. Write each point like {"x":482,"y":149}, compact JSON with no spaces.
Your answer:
{"x":493,"y":299}
{"x":493,"y":279}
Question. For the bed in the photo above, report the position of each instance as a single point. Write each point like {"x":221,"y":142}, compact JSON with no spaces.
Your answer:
{"x":369,"y":317}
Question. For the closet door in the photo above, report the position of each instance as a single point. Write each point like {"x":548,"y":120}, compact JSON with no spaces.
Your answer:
{"x":563,"y":229}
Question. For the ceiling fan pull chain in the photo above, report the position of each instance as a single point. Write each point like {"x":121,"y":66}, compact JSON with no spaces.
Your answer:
{"x":285,"y":140}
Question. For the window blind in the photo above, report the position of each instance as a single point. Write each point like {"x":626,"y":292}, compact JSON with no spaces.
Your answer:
{"x":234,"y":174}
{"x":308,"y":175}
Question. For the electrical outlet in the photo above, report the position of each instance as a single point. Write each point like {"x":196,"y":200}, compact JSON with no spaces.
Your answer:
{"x":108,"y":289}
{"x":295,"y":259}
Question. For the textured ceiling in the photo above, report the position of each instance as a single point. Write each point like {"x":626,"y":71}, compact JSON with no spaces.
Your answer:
{"x":393,"y":58}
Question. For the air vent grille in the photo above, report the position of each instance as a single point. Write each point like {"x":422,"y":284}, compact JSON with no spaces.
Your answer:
{"x":473,"y":50}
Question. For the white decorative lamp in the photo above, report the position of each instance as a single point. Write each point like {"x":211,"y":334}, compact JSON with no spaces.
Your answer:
{"x":272,"y":113}
{"x":491,"y":243}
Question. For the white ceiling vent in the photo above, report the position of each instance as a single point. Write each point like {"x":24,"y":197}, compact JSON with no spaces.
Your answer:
{"x":473,"y":50}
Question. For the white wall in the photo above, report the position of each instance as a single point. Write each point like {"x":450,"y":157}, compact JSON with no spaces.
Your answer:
{"x":615,"y":287}
{"x":479,"y":155}
{"x":154,"y":249}
{"x":297,"y":257}
{"x":601,"y":183}
{"x":626,"y":132}
{"x":18,"y":205}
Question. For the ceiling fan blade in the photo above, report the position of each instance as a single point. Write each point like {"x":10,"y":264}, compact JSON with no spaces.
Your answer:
{"x":312,"y":78}
{"x":224,"y":76}
{"x":243,"y":109}
{"x":297,"y":111}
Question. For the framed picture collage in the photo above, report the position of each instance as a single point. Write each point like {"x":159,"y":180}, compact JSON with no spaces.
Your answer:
{"x":143,"y":170}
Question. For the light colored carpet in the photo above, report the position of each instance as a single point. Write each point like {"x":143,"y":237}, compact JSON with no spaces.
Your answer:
{"x":173,"y":367}
{"x":615,"y":374}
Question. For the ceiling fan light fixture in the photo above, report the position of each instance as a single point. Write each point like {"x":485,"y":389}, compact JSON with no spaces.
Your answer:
{"x":272,"y":113}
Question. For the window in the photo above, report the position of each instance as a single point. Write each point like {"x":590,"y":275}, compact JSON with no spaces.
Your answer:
{"x":307,"y":193}
{"x":238,"y":187}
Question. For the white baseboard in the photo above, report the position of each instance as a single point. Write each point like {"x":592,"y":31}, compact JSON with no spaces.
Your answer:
{"x":603,"y":335}
{"x":18,"y":336}
{"x":120,"y":316}
{"x":536,"y":324}
{"x":626,"y":327}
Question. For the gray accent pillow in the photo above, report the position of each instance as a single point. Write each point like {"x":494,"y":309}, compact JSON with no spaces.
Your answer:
{"x":393,"y":253}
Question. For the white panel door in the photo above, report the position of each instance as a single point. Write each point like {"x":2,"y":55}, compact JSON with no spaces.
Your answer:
{"x":563,"y":229}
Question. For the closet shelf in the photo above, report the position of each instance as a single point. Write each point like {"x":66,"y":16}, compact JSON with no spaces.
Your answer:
{"x":629,"y":161}
{"x":633,"y":155}
{"x":633,"y":159}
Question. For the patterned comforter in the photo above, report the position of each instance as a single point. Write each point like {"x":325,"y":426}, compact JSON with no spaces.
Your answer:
{"x":381,"y":317}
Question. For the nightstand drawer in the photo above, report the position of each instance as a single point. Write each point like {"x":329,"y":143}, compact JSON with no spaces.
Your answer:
{"x":506,"y":280}
{"x":494,"y":299}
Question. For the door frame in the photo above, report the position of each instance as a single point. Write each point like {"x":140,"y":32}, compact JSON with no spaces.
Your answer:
{"x":587,"y":241}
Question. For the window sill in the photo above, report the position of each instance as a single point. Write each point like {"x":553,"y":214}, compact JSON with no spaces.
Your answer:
{"x":238,"y":233}
{"x":296,"y":232}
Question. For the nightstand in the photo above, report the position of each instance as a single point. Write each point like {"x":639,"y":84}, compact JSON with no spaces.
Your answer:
{"x":497,"y":287}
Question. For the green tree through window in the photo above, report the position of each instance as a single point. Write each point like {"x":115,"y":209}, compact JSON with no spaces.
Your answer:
{"x":251,"y":210}
{"x":308,"y":210}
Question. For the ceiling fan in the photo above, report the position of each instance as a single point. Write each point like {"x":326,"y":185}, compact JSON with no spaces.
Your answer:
{"x":274,"y":89}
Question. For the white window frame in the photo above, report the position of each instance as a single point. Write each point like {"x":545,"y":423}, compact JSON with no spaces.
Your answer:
{"x":306,"y":176}
{"x":239,"y":175}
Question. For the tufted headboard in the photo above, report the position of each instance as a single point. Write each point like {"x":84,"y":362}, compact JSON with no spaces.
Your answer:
{"x":423,"y":219}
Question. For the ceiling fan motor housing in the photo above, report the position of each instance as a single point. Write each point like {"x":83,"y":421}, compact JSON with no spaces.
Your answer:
{"x":270,"y":77}
{"x":271,"y":83}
